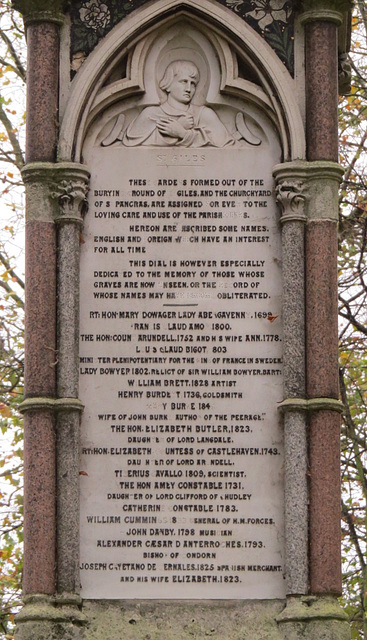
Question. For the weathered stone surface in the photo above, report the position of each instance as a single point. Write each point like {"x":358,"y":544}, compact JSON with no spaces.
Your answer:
{"x":68,"y":501}
{"x":42,"y":92}
{"x":312,"y":618}
{"x":296,"y":502}
{"x":321,"y":310}
{"x":41,"y":10}
{"x":39,"y":503}
{"x":40,"y":357}
{"x":183,"y":620}
{"x":47,"y":618}
{"x":325,"y":533}
{"x":322,"y":91}
{"x":302,"y":619}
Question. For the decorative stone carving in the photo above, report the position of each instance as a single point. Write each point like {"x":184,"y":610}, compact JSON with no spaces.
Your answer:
{"x":235,"y":87}
{"x":314,"y":184}
{"x":72,"y":182}
{"x":344,"y":72}
{"x":328,"y":10}
{"x":72,"y":199}
{"x":93,"y":20}
{"x":291,"y":195}
{"x":176,"y":121}
{"x":41,"y":10}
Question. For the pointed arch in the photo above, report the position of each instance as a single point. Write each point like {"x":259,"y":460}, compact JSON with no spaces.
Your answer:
{"x":232,"y":38}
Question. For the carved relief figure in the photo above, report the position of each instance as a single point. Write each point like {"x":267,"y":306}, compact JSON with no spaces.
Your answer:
{"x":177,"y":121}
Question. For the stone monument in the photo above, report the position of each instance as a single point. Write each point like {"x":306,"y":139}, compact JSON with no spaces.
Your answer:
{"x":181,"y":406}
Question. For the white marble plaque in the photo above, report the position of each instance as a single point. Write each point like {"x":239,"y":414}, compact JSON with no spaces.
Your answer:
{"x":181,"y":374}
{"x":181,"y":339}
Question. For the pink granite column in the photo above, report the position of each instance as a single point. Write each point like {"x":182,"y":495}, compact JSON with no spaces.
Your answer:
{"x":40,"y":330}
{"x":324,"y":425}
{"x":322,"y":312}
{"x":322,"y":90}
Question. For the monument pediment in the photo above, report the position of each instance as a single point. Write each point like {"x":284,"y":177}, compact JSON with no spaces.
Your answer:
{"x":124,"y":67}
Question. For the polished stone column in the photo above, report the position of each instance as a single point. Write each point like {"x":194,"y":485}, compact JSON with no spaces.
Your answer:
{"x":318,"y":614}
{"x":70,"y":193}
{"x":321,"y":31}
{"x":42,"y":30}
{"x":44,"y":615}
{"x":291,"y":193}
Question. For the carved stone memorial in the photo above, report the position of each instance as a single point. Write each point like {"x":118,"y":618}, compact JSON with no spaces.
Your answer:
{"x":186,"y":231}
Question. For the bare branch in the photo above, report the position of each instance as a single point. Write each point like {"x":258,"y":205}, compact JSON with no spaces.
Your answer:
{"x":19,"y":159}
{"x":11,"y":271}
{"x":18,"y":67}
{"x":12,"y":293}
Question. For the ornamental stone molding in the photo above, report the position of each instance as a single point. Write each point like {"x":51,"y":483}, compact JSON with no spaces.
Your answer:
{"x":325,"y":15}
{"x":45,"y":616}
{"x":291,"y":196}
{"x":35,"y":11}
{"x":311,"y":404}
{"x":318,"y":7}
{"x":314,"y":617}
{"x":344,"y":74}
{"x":71,"y":181}
{"x":324,"y":179}
{"x":52,"y":404}
{"x":315,"y":183}
{"x":71,"y":195}
{"x":335,"y":11}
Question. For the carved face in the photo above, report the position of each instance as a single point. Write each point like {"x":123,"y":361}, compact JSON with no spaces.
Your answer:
{"x":183,"y":85}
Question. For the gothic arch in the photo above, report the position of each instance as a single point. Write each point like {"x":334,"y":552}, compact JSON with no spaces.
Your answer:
{"x":247,"y":69}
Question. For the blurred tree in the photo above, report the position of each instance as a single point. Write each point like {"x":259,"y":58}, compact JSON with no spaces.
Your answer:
{"x":12,"y":92}
{"x":353,"y":327}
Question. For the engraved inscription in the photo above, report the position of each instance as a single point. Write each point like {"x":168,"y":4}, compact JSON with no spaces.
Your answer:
{"x":181,"y":374}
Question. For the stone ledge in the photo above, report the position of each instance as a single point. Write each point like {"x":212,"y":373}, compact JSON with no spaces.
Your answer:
{"x":42,"y":608}
{"x":305,"y":608}
{"x":53,"y":404}
{"x":183,"y":619}
{"x":311,"y":404}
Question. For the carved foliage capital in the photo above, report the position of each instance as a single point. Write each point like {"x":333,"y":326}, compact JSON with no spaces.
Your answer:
{"x":56,"y":191}
{"x":291,"y":195}
{"x":71,"y":195}
{"x":308,"y":189}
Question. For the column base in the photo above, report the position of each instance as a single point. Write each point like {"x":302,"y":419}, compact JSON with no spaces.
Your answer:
{"x":314,"y":618}
{"x":50,"y":618}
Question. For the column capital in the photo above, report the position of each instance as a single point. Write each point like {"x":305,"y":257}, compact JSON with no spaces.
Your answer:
{"x":35,"y":11}
{"x":308,"y":189}
{"x":291,"y":190}
{"x":71,"y":190}
{"x":325,"y":10}
{"x":56,"y":192}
